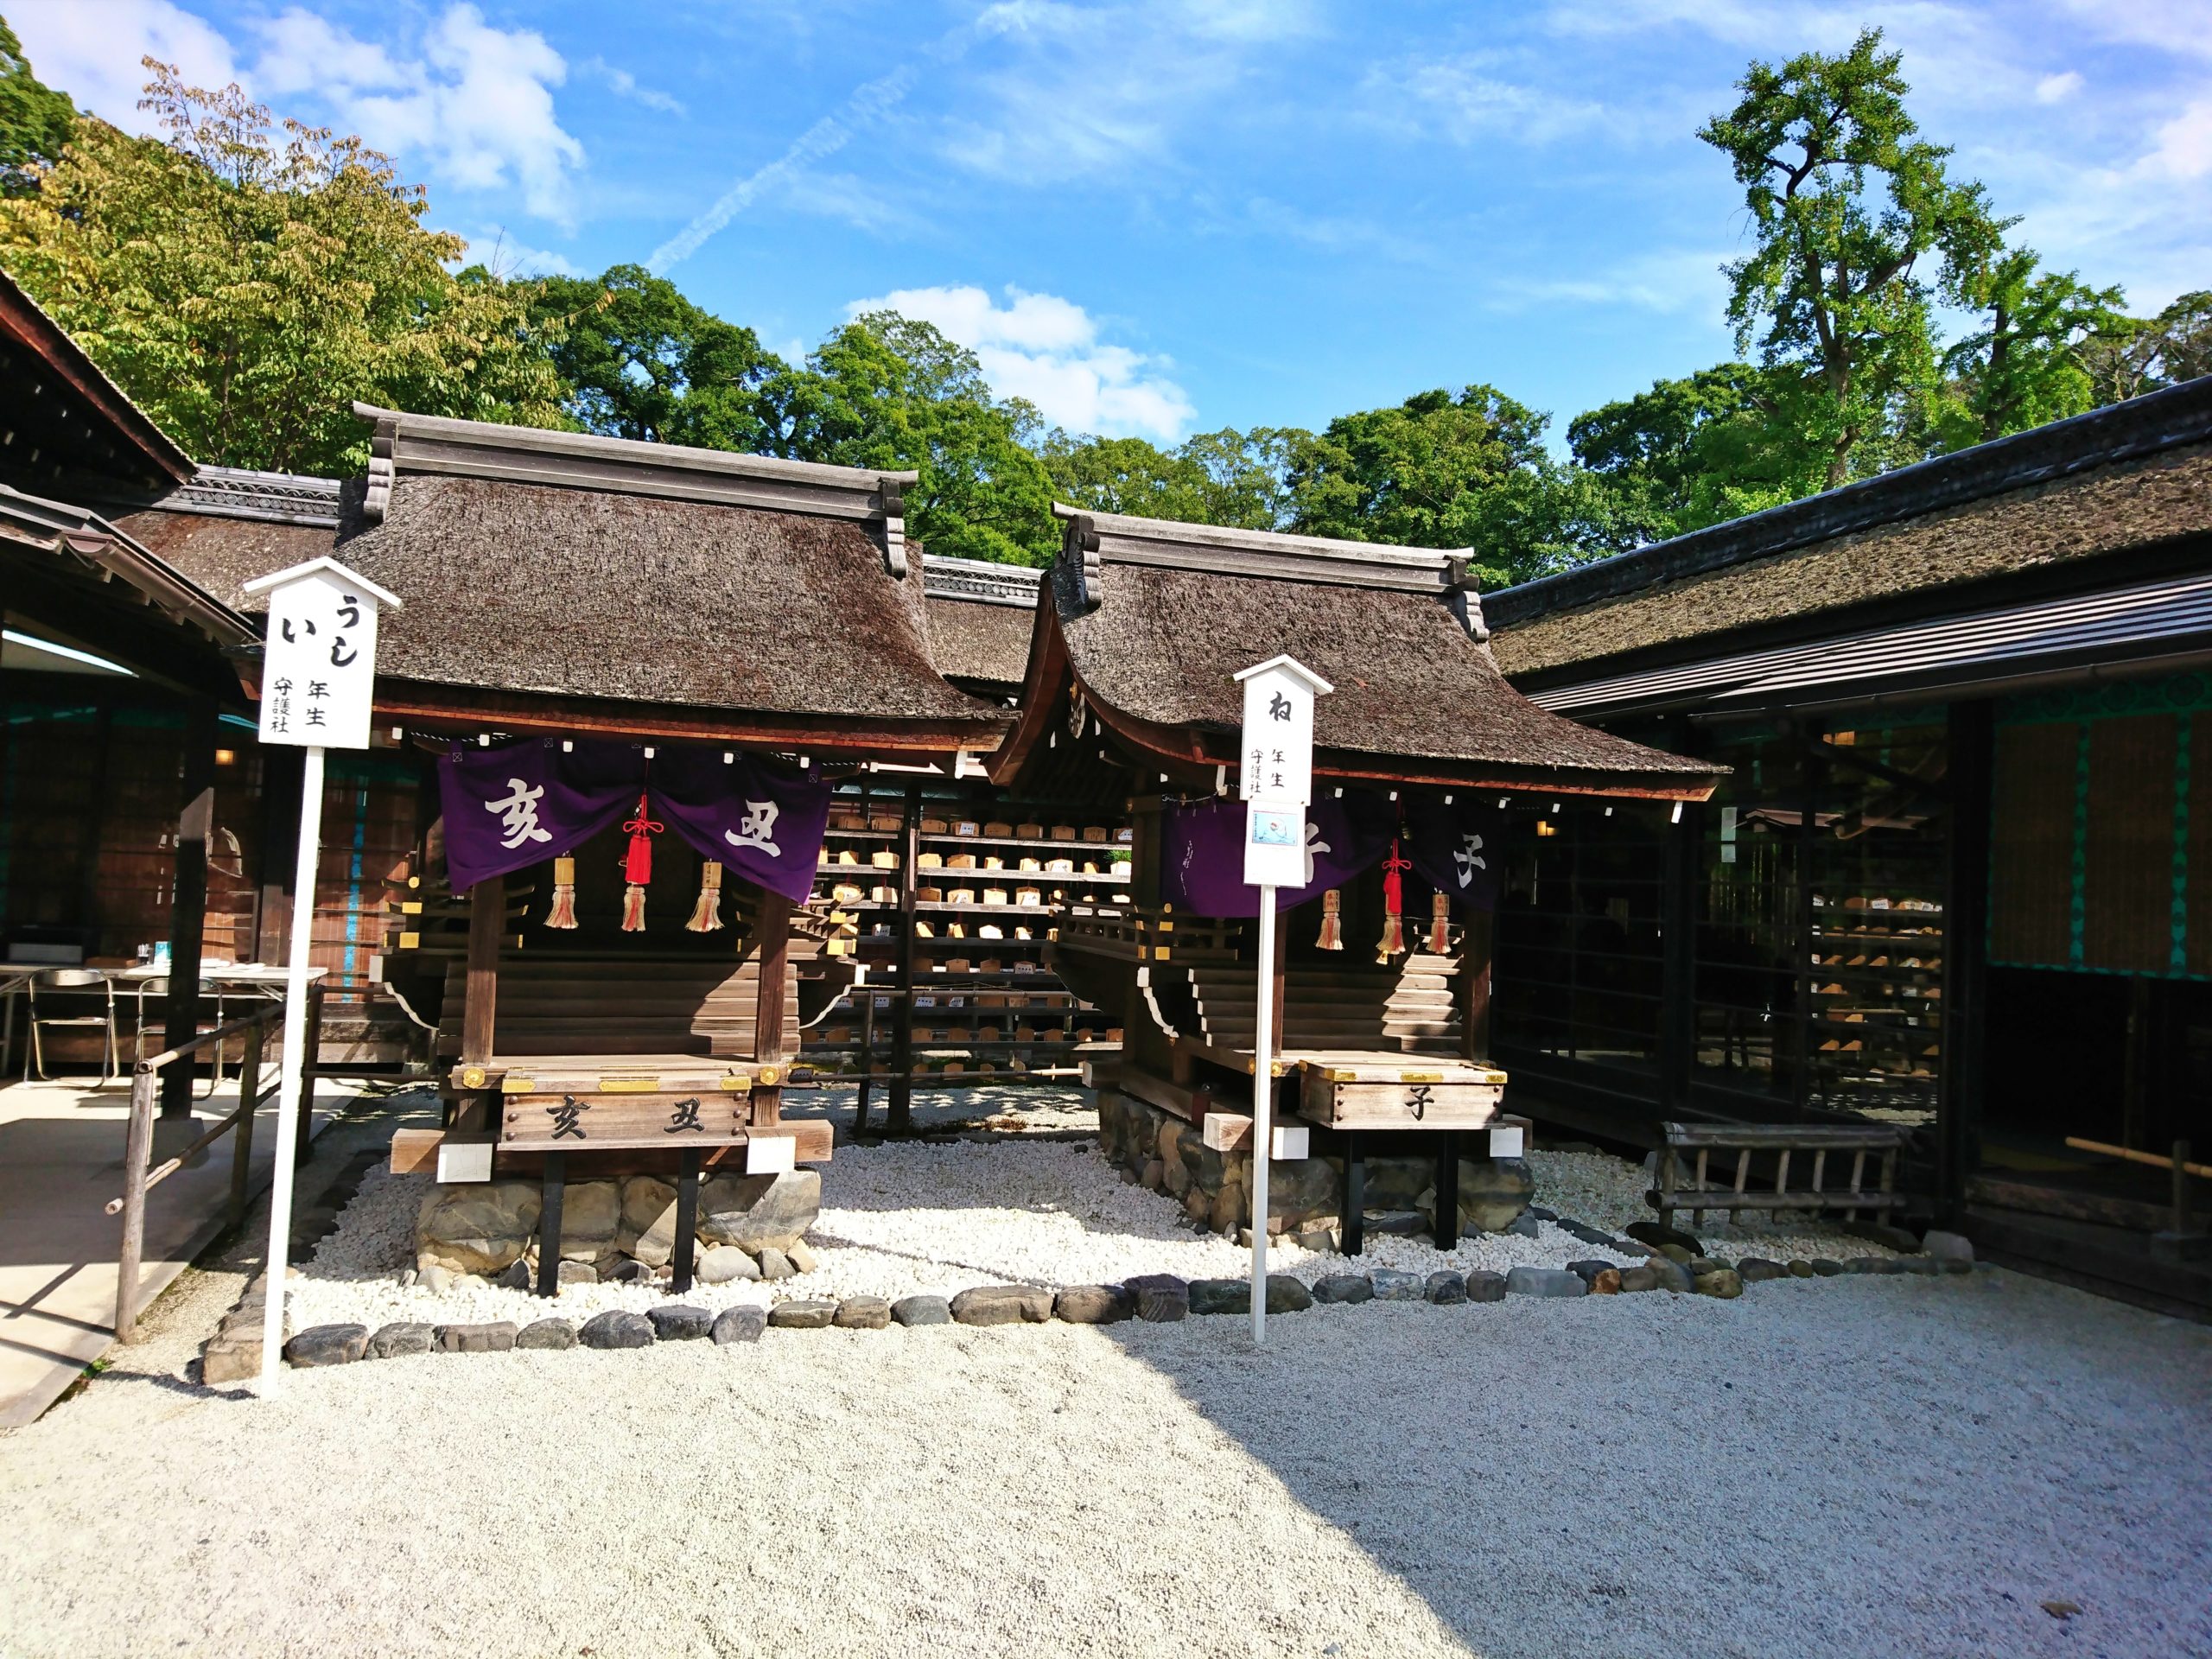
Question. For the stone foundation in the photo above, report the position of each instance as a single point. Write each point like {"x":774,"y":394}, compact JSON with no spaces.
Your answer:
{"x":606,"y":1226}
{"x":1169,"y":1156}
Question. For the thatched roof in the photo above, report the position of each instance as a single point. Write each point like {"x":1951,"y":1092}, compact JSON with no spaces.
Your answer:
{"x":1151,"y":620}
{"x":979,"y":619}
{"x":590,"y":593}
{"x":225,"y":526}
{"x":2117,"y":479}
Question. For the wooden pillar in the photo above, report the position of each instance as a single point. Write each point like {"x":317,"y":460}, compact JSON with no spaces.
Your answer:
{"x":280,"y":841}
{"x":488,"y":919}
{"x":1970,"y":774}
{"x":188,"y":902}
{"x":898,"y":1116}
{"x":1800,"y":1024}
{"x":1475,"y":940}
{"x":772,"y":951}
{"x":1276,"y":973}
{"x":310,"y":1069}
{"x":1678,"y":896}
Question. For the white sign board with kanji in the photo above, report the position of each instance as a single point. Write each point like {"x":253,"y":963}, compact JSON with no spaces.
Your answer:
{"x":318,"y":669}
{"x":1276,"y":770}
{"x":1278,"y":751}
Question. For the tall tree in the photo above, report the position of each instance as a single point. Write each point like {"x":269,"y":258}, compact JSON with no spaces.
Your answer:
{"x":1849,"y":208}
{"x":886,"y":391}
{"x":1445,"y":469}
{"x":642,"y":361}
{"x":36,"y":121}
{"x":2029,"y":360}
{"x":245,"y":287}
{"x":1693,"y":452}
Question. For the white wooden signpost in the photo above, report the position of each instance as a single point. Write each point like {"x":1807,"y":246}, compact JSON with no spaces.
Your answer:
{"x":318,"y":676}
{"x":1276,"y":780}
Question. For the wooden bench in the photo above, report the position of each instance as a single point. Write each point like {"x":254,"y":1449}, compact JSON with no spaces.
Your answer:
{"x":1691,"y":1149}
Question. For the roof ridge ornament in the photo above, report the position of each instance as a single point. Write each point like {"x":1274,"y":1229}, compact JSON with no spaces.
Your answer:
{"x":1081,"y":541}
{"x":890,"y":501}
{"x":382,"y":471}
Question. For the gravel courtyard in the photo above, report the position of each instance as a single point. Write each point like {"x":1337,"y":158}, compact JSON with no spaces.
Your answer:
{"x":1875,"y":1465}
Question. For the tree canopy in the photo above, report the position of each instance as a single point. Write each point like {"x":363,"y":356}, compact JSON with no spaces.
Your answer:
{"x":248,"y":279}
{"x":36,"y":121}
{"x":1848,"y":205}
{"x":246,"y":283}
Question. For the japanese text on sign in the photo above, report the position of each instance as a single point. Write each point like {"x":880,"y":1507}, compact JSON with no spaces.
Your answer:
{"x":319,"y":659}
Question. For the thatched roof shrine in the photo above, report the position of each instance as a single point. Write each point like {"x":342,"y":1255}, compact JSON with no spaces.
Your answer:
{"x":560,"y":582}
{"x":2130,"y":483}
{"x":1144,"y":622}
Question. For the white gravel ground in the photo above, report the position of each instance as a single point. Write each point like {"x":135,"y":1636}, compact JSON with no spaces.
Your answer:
{"x":898,"y":1220}
{"x":1858,"y":1467}
{"x":935,"y":1218}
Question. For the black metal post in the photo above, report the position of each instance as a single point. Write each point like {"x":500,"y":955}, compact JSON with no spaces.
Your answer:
{"x":548,"y":1223}
{"x":687,"y":1222}
{"x":1355,"y":1192}
{"x":1447,"y":1192}
{"x":1970,"y":774}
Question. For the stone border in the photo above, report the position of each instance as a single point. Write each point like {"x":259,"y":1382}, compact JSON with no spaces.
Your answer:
{"x":1155,"y":1298}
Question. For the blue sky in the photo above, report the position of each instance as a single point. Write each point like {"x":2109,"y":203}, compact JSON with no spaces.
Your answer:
{"x":1161,"y":218}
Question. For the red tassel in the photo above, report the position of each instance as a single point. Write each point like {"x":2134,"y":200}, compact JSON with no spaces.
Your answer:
{"x":1440,"y":921}
{"x":1394,"y":904}
{"x":638,"y":867}
{"x":563,"y":912}
{"x":1333,"y":921}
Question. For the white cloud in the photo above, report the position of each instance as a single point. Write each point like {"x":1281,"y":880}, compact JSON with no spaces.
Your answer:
{"x":476,"y":107}
{"x":1682,"y":281}
{"x":1076,"y":91}
{"x":504,"y":256}
{"x":623,"y":84}
{"x":2053,"y":89}
{"x":2183,"y":149}
{"x":1470,"y":100}
{"x":93,"y":51}
{"x":1046,"y":349}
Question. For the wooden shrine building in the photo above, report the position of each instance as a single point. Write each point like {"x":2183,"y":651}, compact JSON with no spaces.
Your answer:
{"x":1957,"y":879}
{"x":1383,"y":957}
{"x":622,"y":657}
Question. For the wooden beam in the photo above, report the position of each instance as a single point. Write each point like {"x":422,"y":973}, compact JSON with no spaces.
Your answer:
{"x":487,"y":909}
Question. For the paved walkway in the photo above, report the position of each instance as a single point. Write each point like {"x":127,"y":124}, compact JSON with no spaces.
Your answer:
{"x":61,"y":1161}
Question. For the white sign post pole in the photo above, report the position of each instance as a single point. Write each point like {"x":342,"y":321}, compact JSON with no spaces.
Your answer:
{"x":1276,"y":774}
{"x":288,"y":1092}
{"x":1264,"y":1112}
{"x":318,"y":674}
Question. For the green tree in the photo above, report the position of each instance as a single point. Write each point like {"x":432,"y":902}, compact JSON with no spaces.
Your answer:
{"x":244,"y":286}
{"x":642,"y":361}
{"x":36,"y":121}
{"x":1231,"y":478}
{"x":2133,"y":356}
{"x":2029,"y":361}
{"x":1698,"y":451}
{"x":1847,"y":206}
{"x":1453,"y":470}
{"x":886,"y":391}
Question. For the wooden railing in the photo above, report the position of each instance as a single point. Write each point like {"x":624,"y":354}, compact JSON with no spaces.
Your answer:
{"x":145,"y":1094}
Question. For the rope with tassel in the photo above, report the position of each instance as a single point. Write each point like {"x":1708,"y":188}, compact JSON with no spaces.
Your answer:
{"x":707,"y":914}
{"x":563,"y":912}
{"x":638,"y":866}
{"x":1394,"y":904}
{"x":1333,"y":921}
